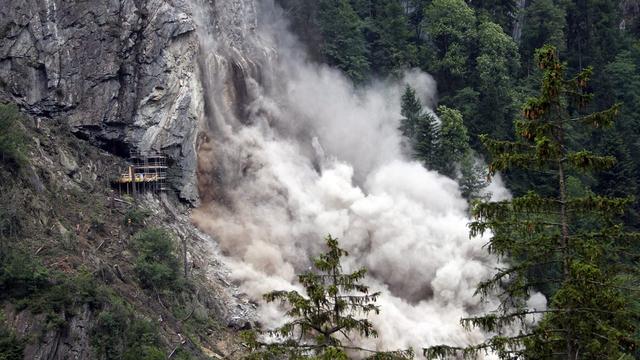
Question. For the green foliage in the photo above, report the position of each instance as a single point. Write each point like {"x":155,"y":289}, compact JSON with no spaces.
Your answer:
{"x":12,"y":138}
{"x":503,"y":12}
{"x":24,"y":281}
{"x":135,"y":217}
{"x":21,"y":275}
{"x":454,"y":140}
{"x":388,"y":34}
{"x":425,"y":141}
{"x":496,"y":66}
{"x":156,"y":265}
{"x":593,"y":32}
{"x":344,"y":44}
{"x":473,"y":178}
{"x":11,"y":213}
{"x":144,"y":342}
{"x":324,"y":317}
{"x":419,"y":128}
{"x":11,"y":348}
{"x":119,"y":334}
{"x":588,"y":314}
{"x":442,"y":147}
{"x":450,"y":25}
{"x":544,"y":23}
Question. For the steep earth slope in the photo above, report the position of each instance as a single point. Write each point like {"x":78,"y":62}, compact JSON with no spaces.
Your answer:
{"x":68,"y":280}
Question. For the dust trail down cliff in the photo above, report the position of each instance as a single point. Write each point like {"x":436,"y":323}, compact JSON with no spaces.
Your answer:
{"x":291,"y":151}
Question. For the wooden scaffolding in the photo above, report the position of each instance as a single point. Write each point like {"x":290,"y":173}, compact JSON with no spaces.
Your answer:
{"x":145,"y":173}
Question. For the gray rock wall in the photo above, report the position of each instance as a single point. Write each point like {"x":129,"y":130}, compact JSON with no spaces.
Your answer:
{"x":120,"y":73}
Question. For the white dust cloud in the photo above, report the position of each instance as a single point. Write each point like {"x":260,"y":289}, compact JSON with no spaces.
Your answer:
{"x":317,"y":156}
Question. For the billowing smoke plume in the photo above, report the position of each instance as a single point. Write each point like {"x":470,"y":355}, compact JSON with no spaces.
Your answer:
{"x":293,"y":152}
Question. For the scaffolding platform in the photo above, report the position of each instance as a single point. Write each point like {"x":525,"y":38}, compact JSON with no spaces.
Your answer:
{"x":145,"y":173}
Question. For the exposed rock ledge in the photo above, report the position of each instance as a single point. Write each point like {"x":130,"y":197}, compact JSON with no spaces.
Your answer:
{"x":119,"y":72}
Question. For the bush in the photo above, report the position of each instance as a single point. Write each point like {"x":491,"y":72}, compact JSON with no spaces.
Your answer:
{"x":12,"y":212}
{"x":25,"y":282}
{"x":11,"y":347}
{"x":12,"y":137}
{"x":156,"y":264}
{"x":20,"y":275}
{"x":118,"y":334}
{"x":135,"y":217}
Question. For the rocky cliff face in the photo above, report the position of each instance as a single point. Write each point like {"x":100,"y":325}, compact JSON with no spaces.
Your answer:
{"x":121,"y":73}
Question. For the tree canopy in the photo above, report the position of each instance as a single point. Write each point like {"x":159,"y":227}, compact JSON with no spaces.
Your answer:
{"x":589,"y":314}
{"x":322,"y":320}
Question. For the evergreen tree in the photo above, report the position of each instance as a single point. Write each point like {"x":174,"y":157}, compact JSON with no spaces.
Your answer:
{"x":472,"y":179}
{"x":343,"y":45}
{"x":467,"y":101}
{"x":593,"y":34}
{"x":453,"y":142}
{"x":411,"y":111}
{"x":324,"y":317}
{"x":496,"y":66}
{"x":622,"y":84}
{"x":389,"y":38}
{"x":620,"y":180}
{"x":544,"y":23}
{"x":588,"y":316}
{"x":419,"y":128}
{"x":425,"y":141}
{"x":450,"y":26}
{"x":503,"y":12}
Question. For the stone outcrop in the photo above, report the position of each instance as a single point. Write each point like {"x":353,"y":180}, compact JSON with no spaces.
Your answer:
{"x":70,"y":342}
{"x":120,"y":73}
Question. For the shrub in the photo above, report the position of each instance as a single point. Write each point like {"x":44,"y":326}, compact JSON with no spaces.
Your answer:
{"x":12,"y":212}
{"x":12,"y":138}
{"x":156,"y":264}
{"x":135,"y":217}
{"x":118,"y":334}
{"x":20,"y":275}
{"x":11,"y":347}
{"x":110,"y":332}
{"x":25,"y":282}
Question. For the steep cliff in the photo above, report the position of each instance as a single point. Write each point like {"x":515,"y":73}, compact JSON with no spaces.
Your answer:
{"x":119,"y":73}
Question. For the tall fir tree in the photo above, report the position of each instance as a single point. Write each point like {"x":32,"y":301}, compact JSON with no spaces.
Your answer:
{"x":473,"y":178}
{"x":425,"y":141}
{"x":389,"y":38}
{"x":450,"y":26}
{"x":453,"y":141}
{"x":419,"y":128}
{"x":411,"y":111}
{"x":333,"y":307}
{"x":589,"y":315}
{"x":544,"y":23}
{"x":496,"y":66}
{"x":344,"y":45}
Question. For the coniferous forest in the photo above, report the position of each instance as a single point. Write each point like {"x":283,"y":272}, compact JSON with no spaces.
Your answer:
{"x":547,"y":93}
{"x":281,"y":179}
{"x":482,"y":55}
